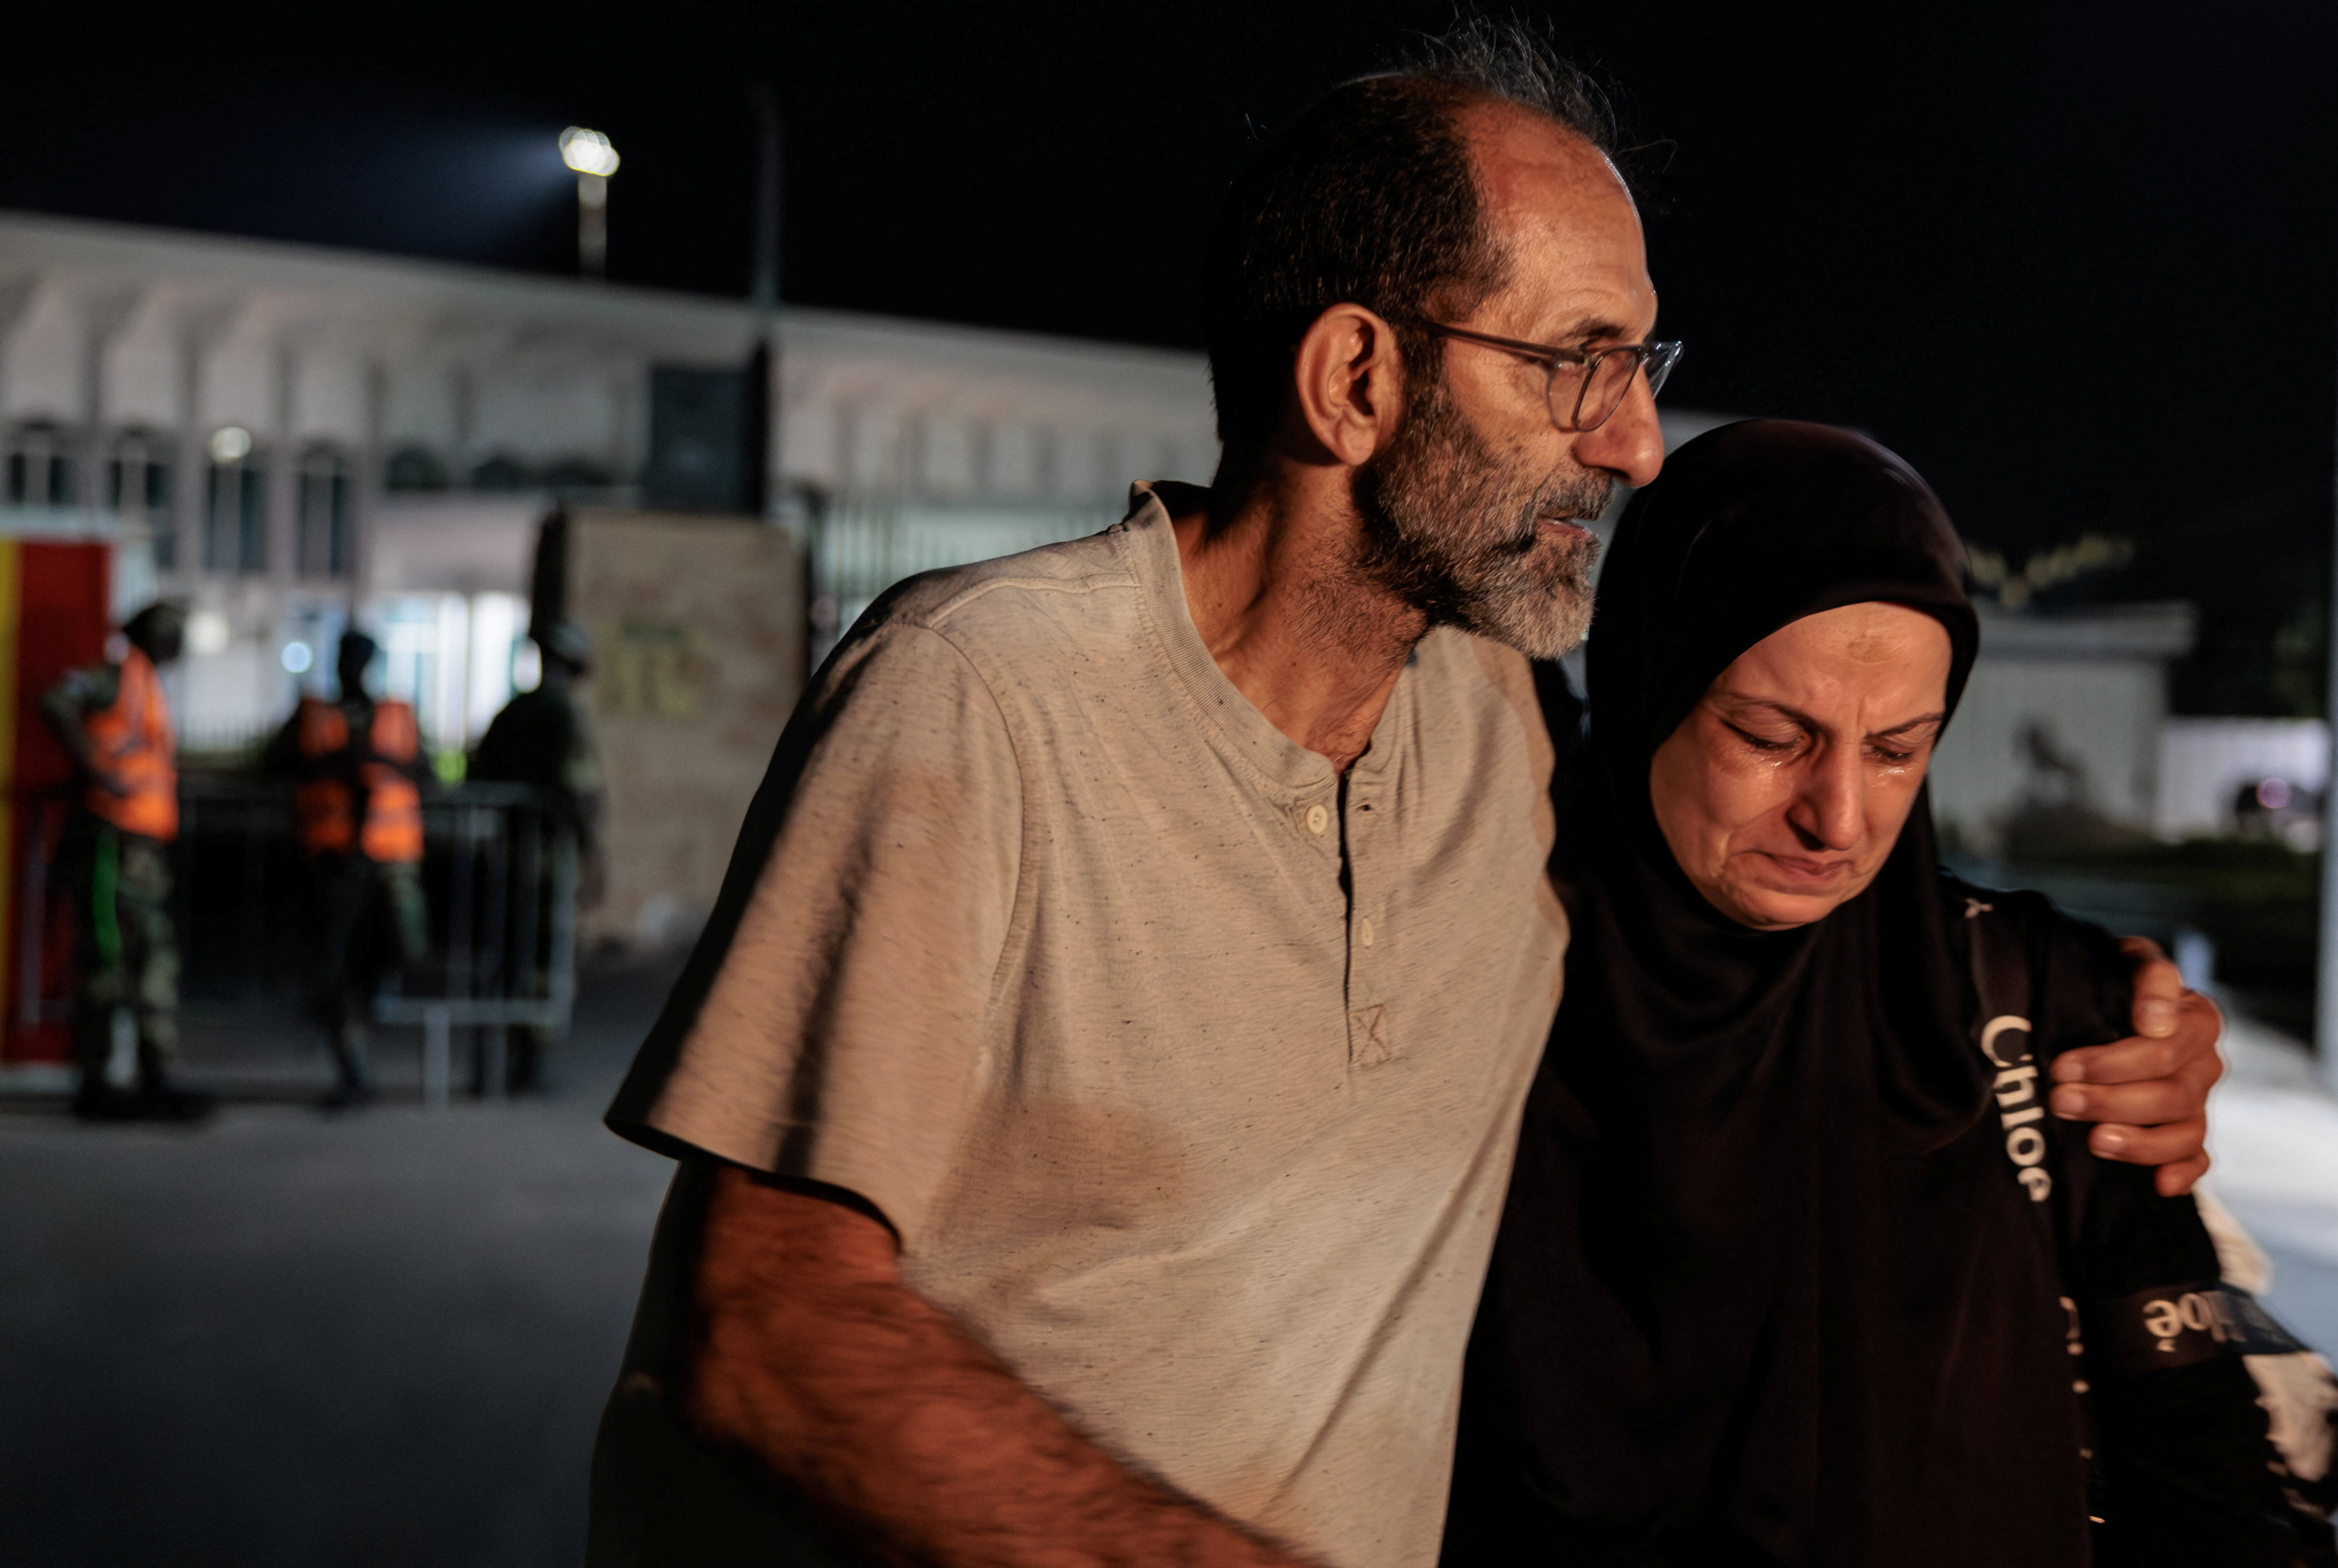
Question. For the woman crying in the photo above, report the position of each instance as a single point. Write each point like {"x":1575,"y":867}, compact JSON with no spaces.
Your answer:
{"x":1796,"y":1268}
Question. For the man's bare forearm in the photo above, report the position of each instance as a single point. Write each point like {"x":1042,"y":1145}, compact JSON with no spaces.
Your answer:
{"x":815,"y":1360}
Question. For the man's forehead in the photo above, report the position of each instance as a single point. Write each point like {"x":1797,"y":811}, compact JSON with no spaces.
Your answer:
{"x":1562,"y":207}
{"x":1525,"y":158}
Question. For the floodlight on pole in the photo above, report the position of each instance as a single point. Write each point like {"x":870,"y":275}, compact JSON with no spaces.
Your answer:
{"x":587,"y":152}
{"x":595,"y":160}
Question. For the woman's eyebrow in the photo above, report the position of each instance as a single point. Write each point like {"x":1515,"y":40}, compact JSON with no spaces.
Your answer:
{"x":1739,"y":704}
{"x":1909,"y":724}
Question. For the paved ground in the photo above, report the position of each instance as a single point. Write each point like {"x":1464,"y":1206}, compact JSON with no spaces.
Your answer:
{"x":286,"y":1340}
{"x":2273,"y":1130}
{"x":293,"y":1341}
{"x":2304,"y":1294}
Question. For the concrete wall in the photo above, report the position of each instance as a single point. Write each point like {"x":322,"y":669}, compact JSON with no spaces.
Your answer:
{"x":698,"y":632}
{"x":2105,"y":716}
{"x":2092,"y":683}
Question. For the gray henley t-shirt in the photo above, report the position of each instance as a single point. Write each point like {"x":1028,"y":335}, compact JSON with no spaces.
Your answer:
{"x":1188,"y":1077}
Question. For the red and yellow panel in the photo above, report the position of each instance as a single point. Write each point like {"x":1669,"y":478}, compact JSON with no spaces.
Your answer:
{"x":53,"y":617}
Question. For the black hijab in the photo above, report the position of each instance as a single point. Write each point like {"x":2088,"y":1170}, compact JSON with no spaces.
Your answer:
{"x":1756,"y":1260}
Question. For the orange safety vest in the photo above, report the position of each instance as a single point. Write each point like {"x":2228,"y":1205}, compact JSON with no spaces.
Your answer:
{"x":131,"y":740}
{"x":392,"y":827}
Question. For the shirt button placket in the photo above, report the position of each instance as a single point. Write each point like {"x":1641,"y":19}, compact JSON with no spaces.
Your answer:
{"x":1371,"y":1041}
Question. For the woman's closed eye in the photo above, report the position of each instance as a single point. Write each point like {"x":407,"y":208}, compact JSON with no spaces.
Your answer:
{"x":1775,"y":741}
{"x":1902,"y":747}
{"x":1785,"y":740}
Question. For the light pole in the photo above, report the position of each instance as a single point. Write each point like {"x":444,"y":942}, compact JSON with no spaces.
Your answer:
{"x":589,"y":153}
{"x":765,"y":286}
{"x":2325,"y":988}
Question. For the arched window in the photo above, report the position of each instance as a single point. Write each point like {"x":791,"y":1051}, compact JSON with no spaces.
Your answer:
{"x":40,"y":466}
{"x":137,"y":487}
{"x":235,"y":515}
{"x":324,"y":514}
{"x":576,"y":473}
{"x":500,"y":472}
{"x":414,"y":468}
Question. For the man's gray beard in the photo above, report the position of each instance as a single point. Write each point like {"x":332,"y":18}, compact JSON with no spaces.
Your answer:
{"x":1452,"y":533}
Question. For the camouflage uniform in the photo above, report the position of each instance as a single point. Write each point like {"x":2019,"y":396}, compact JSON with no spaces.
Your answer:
{"x":128,"y":949}
{"x":543,"y":738}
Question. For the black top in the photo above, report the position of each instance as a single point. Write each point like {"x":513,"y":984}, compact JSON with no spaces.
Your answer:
{"x":544,"y":738}
{"x":1766,"y":1289}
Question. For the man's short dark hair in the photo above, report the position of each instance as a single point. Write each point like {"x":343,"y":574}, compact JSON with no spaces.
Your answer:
{"x":1371,"y":199}
{"x":159,"y":630}
{"x":161,"y":618}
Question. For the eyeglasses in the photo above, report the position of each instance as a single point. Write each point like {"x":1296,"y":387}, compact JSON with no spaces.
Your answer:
{"x":1585,"y":389}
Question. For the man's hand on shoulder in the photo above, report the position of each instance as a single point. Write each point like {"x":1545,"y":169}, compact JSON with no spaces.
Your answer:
{"x":2149,"y":1091}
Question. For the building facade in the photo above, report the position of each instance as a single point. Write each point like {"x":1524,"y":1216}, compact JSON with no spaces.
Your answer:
{"x":288,"y":438}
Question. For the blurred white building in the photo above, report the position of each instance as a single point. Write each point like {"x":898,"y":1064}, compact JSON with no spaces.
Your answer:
{"x":2206,"y":766}
{"x":2064,"y":707}
{"x":287,"y":437}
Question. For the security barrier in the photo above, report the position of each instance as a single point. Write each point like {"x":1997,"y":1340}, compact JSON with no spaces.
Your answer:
{"x":499,"y":874}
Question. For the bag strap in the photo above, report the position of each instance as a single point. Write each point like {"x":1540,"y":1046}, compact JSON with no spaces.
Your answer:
{"x":2001,"y":980}
{"x":2003,"y":983}
{"x":2178,"y":1324}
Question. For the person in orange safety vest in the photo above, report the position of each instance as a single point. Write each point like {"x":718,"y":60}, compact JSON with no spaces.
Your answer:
{"x":358,"y":771}
{"x":115,"y":724}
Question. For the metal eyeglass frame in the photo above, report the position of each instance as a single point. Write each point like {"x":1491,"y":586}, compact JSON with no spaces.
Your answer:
{"x":1656,"y":359}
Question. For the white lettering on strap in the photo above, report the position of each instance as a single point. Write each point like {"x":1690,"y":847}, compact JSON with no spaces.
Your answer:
{"x":2023,"y":1080}
{"x":2016,"y":1087}
{"x":2004,"y":1023}
{"x":2203,"y":1313}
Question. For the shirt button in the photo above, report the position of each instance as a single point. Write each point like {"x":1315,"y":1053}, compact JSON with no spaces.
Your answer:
{"x":1364,"y":932}
{"x":1318,"y":819}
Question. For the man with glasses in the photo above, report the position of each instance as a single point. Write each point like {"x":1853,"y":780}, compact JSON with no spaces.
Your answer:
{"x":1586,"y":387}
{"x":1097,"y":1086}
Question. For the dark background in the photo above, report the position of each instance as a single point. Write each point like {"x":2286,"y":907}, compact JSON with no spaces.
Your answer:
{"x":2075,"y":261}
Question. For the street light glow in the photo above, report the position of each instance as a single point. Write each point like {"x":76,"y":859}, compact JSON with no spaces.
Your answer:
{"x":208,"y":635}
{"x":587,"y":152}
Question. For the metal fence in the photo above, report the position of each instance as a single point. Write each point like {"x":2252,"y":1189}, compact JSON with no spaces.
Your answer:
{"x":860,"y":548}
{"x":499,"y":872}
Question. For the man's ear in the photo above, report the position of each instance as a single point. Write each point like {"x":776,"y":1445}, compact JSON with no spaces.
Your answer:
{"x":1350,"y":383}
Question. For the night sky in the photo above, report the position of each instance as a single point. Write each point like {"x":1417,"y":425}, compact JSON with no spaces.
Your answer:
{"x":2078,"y":262}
